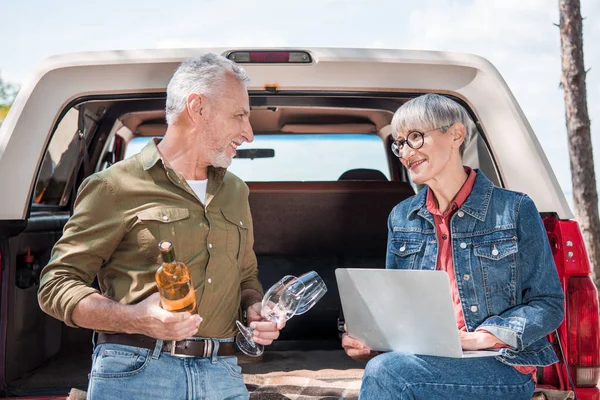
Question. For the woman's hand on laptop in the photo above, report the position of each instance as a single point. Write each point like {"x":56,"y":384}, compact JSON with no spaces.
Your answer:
{"x":479,"y":340}
{"x":355,"y":348}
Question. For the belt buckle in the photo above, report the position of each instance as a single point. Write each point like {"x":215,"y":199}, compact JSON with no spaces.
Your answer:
{"x":174,"y":348}
{"x":208,"y":349}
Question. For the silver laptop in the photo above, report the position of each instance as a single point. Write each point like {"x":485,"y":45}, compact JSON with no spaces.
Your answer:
{"x":402,"y":310}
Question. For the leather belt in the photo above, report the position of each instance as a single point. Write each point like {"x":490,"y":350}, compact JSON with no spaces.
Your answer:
{"x":183,"y":348}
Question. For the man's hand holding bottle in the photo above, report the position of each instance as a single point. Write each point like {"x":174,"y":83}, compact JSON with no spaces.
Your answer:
{"x":152,"y":320}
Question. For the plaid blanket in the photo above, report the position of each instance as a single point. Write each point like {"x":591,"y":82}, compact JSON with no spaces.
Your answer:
{"x":300,"y":375}
{"x":276,"y":386}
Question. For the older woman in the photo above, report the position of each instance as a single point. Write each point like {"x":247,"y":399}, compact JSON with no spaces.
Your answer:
{"x":493,"y":245}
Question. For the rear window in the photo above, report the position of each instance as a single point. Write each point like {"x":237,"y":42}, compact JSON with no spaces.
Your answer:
{"x":307,"y":157}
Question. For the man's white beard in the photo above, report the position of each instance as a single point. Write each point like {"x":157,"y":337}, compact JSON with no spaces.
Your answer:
{"x":221,"y":160}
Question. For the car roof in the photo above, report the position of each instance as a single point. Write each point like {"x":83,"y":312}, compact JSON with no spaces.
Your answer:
{"x":59,"y":80}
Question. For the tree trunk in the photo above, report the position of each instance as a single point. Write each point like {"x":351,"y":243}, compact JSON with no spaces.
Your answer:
{"x":578,"y":130}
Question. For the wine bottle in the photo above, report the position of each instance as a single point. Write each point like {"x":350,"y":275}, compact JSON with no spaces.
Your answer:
{"x":174,"y":281}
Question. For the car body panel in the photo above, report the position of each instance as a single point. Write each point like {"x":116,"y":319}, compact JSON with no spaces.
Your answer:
{"x":60,"y":80}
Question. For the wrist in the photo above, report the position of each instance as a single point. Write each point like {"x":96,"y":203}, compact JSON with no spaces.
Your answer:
{"x":488,"y":340}
{"x":132,"y":318}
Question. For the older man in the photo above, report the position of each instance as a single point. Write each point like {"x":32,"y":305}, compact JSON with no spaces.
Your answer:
{"x":176,"y":189}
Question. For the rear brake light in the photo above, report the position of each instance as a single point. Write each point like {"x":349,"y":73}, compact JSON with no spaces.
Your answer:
{"x":269,"y":57}
{"x":580,"y":330}
{"x":583,"y":331}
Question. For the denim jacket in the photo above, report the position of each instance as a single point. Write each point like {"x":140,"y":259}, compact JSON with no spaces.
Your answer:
{"x":505,"y":274}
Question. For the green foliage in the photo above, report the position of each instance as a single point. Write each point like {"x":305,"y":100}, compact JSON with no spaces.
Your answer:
{"x":3,"y":112}
{"x":8,"y":93}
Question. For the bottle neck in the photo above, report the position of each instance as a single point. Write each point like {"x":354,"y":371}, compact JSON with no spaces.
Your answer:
{"x":168,"y":256}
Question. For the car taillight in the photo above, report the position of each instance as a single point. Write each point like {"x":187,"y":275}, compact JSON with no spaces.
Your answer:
{"x":269,"y":57}
{"x":583,"y":331}
{"x":580,"y":332}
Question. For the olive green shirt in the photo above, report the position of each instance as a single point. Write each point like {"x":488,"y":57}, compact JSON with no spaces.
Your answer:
{"x":120,"y":216}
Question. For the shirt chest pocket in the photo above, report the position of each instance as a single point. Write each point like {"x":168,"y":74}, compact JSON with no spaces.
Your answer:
{"x":406,"y":253}
{"x":498,"y":262}
{"x":237,"y":235}
{"x":165,"y":223}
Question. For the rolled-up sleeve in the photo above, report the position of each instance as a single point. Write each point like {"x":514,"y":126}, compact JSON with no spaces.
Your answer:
{"x":89,"y":238}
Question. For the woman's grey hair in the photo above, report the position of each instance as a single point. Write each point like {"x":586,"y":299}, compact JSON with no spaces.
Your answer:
{"x":203,"y":74}
{"x":433,"y":111}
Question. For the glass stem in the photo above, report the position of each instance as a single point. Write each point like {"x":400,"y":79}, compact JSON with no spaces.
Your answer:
{"x":247,"y":332}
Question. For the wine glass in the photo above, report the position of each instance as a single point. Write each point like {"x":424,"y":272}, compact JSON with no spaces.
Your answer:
{"x":278,"y":305}
{"x":314,"y":289}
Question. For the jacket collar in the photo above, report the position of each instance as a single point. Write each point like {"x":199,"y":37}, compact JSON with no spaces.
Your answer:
{"x":476,"y":204}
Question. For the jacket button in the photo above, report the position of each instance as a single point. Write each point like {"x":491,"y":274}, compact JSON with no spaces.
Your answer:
{"x":466,"y":277}
{"x":461,"y":214}
{"x":463,"y":245}
{"x":165,"y":218}
{"x":473,"y":308}
{"x":210,"y":245}
{"x":241,"y":223}
{"x":495,"y":252}
{"x":402,"y":248}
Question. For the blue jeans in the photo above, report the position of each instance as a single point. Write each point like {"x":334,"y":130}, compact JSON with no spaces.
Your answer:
{"x":403,"y":376}
{"x":127,"y":372}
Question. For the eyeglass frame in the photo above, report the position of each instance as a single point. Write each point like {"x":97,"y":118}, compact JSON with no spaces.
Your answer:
{"x":400,"y":143}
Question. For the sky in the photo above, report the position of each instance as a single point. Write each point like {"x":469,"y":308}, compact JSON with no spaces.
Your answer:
{"x":518,"y":36}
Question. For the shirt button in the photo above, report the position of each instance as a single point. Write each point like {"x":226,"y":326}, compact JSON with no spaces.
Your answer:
{"x":210,"y":245}
{"x":461,"y":214}
{"x":466,"y":277}
{"x":241,"y":223}
{"x":209,"y":280}
{"x":473,"y":308}
{"x":165,"y":218}
{"x":463,"y":245}
{"x":444,"y":236}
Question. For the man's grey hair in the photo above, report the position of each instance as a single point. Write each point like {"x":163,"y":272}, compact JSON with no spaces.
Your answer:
{"x":433,"y":111}
{"x":203,"y":74}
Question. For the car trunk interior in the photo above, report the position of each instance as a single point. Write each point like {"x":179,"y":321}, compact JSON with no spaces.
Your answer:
{"x":299,"y":226}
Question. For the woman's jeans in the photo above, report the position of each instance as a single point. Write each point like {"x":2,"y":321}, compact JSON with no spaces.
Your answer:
{"x":127,"y":372}
{"x":402,"y":376}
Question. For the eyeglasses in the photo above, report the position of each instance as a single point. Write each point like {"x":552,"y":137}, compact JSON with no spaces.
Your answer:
{"x":414,"y":139}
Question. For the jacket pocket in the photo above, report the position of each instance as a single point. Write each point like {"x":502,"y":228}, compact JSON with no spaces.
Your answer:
{"x":237,"y":235}
{"x":498,"y":264}
{"x":406,"y":252}
{"x":165,"y":223}
{"x":496,"y":250}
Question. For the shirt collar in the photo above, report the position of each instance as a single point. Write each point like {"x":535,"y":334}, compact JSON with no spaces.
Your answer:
{"x":475,"y":205}
{"x":459,"y":199}
{"x":150,"y":156}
